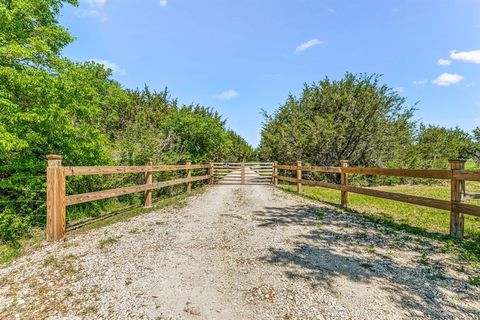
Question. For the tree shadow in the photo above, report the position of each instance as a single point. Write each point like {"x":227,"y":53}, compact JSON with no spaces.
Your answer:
{"x":468,"y":248}
{"x":344,"y":245}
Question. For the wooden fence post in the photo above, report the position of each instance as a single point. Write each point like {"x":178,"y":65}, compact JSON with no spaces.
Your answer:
{"x":210,"y":173}
{"x":275,"y":173}
{"x":299,"y":176}
{"x":457,"y":196}
{"x":56,"y":202}
{"x":188,"y":163}
{"x":242,"y":173}
{"x":344,"y":182}
{"x":148,"y":180}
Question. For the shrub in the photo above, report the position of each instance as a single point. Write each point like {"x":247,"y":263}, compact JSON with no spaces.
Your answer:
{"x":12,"y":227}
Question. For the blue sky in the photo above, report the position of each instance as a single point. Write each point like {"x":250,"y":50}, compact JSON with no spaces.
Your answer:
{"x":241,"y":56}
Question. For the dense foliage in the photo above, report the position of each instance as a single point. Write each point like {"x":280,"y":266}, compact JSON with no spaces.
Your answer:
{"x":49,"y":104}
{"x":363,"y":121}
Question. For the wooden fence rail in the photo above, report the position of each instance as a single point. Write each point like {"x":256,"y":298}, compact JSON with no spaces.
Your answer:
{"x":58,"y":200}
{"x":457,"y":176}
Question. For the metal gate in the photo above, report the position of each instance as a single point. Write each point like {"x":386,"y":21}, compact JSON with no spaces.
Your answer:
{"x":243,"y":172}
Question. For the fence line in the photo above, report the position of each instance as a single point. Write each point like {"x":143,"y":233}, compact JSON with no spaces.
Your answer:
{"x":457,"y":176}
{"x":58,"y":200}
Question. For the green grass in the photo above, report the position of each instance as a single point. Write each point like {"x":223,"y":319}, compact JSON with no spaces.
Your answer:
{"x":10,"y":251}
{"x":471,"y":165}
{"x":408,"y":217}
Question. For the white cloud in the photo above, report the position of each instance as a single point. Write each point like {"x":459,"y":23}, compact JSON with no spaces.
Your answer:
{"x":162,"y":3}
{"x":91,"y":9}
{"x":420,"y":82}
{"x":91,"y":13}
{"x":116,"y":69}
{"x":95,"y":3}
{"x":466,"y":56}
{"x":444,"y":62}
{"x":310,"y":43}
{"x":446,"y":79}
{"x":227,"y":95}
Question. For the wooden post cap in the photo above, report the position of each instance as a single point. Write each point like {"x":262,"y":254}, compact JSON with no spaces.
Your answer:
{"x":344,"y":161}
{"x":457,"y":160}
{"x":54,"y":157}
{"x":457,"y":164}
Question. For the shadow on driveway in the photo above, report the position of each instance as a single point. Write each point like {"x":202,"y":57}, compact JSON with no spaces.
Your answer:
{"x":343,"y":244}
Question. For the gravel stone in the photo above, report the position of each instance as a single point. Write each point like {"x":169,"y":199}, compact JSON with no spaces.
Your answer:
{"x":239,"y":252}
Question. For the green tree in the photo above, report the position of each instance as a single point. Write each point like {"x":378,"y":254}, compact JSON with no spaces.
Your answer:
{"x":47,"y":105}
{"x":355,"y":118}
{"x":237,"y":149}
{"x":435,"y":145}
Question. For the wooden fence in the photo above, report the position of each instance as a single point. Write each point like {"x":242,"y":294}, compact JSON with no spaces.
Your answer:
{"x":58,"y":200}
{"x":457,"y":176}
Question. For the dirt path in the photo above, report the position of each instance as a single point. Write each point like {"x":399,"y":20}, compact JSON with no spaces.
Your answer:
{"x":239,"y":252}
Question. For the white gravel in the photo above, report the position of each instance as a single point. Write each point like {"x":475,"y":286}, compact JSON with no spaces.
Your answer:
{"x":239,"y":252}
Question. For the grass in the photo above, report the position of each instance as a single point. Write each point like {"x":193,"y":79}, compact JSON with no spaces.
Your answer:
{"x":8,"y":252}
{"x":411,"y":218}
{"x":104,"y":243}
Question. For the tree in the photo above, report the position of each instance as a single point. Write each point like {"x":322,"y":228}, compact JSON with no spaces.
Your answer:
{"x":355,"y":118}
{"x":49,"y":104}
{"x":476,"y":148}
{"x":435,"y":145}
{"x":238,"y":149}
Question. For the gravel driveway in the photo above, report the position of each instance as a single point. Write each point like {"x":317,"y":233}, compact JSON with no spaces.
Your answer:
{"x":239,"y":252}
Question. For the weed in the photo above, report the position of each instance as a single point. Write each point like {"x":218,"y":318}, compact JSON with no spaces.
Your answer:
{"x":424,"y":259}
{"x":370,"y":250}
{"x":50,"y":261}
{"x":435,"y":276}
{"x":89,"y":310}
{"x":474,"y":280}
{"x":104,"y":243}
{"x":70,"y":256}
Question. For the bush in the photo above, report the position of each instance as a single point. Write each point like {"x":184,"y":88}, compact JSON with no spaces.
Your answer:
{"x":12,"y":227}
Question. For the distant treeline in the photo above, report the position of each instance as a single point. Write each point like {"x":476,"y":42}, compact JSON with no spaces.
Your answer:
{"x":359,"y":119}
{"x":52,"y":105}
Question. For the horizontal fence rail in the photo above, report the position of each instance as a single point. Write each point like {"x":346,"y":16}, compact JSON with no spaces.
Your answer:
{"x":243,"y":172}
{"x":457,"y":176}
{"x":57,"y":200}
